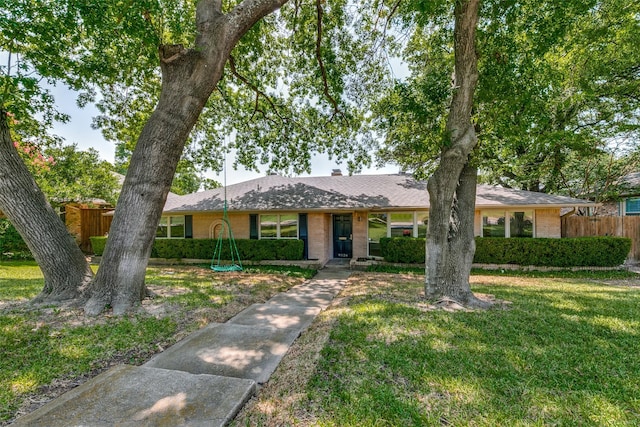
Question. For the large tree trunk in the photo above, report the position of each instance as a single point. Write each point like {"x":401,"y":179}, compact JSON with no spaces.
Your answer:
{"x":65,"y":268}
{"x":189,"y":76}
{"x":452,"y":187}
{"x":451,"y":246}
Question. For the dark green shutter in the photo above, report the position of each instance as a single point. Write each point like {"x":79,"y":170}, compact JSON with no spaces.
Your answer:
{"x":303,"y":233}
{"x":253,"y":226}
{"x":188,"y":226}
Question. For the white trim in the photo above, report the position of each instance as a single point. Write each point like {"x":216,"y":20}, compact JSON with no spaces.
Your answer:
{"x":278,"y":224}
{"x":168,"y":219}
{"x":507,"y":221}
{"x":388,"y":214}
{"x":624,"y":205}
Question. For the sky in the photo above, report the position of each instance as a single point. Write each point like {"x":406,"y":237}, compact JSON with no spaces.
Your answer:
{"x":78,"y":130}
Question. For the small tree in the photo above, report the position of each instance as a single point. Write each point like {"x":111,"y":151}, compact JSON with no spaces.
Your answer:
{"x":74,"y":175}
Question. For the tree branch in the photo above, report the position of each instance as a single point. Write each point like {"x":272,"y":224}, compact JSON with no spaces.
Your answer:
{"x":207,"y":13}
{"x":378,"y":44}
{"x":171,"y":52}
{"x":394,"y":9}
{"x":247,"y":13}
{"x":323,"y":70}
{"x":466,"y":71}
{"x":258,"y":92}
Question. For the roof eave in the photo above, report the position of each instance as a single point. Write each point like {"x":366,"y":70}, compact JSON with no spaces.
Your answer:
{"x":382,"y":208}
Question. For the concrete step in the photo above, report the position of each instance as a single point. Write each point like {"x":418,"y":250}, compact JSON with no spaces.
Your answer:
{"x":229,"y":350}
{"x":277,"y":316}
{"x":129,"y":396}
{"x":304,"y":298}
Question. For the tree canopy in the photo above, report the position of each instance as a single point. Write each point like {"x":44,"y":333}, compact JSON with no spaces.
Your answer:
{"x":75,"y":175}
{"x":557,"y":89}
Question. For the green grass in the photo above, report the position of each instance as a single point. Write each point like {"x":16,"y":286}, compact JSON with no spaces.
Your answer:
{"x":32,"y":355}
{"x":19,"y":280}
{"x":45,"y":345}
{"x":565,"y":352}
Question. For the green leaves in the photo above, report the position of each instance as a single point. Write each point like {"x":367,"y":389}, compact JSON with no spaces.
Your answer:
{"x":554,"y":95}
{"x":74,"y":175}
{"x":558,"y":86}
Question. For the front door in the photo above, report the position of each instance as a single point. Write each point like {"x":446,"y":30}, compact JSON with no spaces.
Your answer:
{"x":342,"y":236}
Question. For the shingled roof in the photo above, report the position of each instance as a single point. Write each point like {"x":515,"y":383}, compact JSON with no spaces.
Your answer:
{"x":631,"y":184}
{"x":359,"y":192}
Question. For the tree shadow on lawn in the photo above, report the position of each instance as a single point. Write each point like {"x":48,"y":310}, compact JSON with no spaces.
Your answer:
{"x":39,"y":361}
{"x":559,"y":354}
{"x":19,"y":290}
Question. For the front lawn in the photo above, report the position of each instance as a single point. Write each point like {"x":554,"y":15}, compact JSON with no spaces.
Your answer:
{"x":48,"y":350}
{"x":564,"y":351}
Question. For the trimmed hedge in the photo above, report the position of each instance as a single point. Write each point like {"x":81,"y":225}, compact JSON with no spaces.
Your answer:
{"x":571,"y":252}
{"x":249,"y":250}
{"x":12,"y":247}
{"x":403,"y":249}
{"x":97,"y":244}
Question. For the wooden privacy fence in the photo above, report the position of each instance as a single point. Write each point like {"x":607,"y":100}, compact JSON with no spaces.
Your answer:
{"x":621,"y":226}
{"x":83,"y":223}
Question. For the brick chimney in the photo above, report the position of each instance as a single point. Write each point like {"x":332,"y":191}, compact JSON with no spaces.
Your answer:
{"x":336,"y":172}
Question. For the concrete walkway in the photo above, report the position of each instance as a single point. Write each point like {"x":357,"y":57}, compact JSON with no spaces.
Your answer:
{"x":203,"y":380}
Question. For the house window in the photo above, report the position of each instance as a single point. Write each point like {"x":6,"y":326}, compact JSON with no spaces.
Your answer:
{"x":268,"y":226}
{"x":289,"y":226}
{"x":279,"y":226}
{"x":171,"y":227}
{"x":395,"y":224}
{"x":632,"y":206}
{"x":494,"y":223}
{"x":377,"y":228}
{"x":401,"y":224}
{"x":521,"y":224}
{"x":162,"y":231}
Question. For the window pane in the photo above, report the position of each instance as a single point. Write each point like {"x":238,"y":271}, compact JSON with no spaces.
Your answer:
{"x":521,"y":224}
{"x":161,"y":231}
{"x":377,"y":228}
{"x":289,"y":226}
{"x":402,"y":224}
{"x":268,"y":226}
{"x":633,"y":206}
{"x":177,"y":226}
{"x":493,"y":224}
{"x":423,"y":222}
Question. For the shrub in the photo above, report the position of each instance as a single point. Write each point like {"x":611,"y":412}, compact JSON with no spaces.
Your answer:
{"x":183,"y":248}
{"x":249,"y":250}
{"x":12,"y":247}
{"x":572,"y":252}
{"x":97,"y":244}
{"x":403,"y":249}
